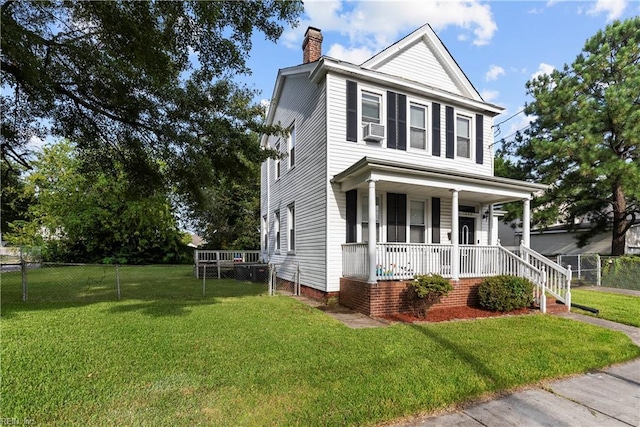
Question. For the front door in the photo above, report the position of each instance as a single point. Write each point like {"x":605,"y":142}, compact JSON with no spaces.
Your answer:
{"x":467,"y":231}
{"x":466,"y":236}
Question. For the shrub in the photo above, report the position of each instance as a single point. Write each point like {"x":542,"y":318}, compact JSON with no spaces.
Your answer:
{"x":505,"y":293}
{"x":426,"y":290}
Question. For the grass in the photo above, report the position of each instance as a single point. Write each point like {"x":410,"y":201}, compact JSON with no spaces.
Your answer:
{"x":239,"y":357}
{"x":615,"y":307}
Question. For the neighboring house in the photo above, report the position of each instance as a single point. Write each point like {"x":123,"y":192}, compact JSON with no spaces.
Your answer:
{"x":559,"y":240}
{"x":403,"y":139}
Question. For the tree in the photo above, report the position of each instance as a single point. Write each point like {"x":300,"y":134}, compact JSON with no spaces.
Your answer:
{"x":584,"y":139}
{"x":140,"y":84}
{"x":13,"y":203}
{"x":93,"y":216}
{"x":231,"y":218}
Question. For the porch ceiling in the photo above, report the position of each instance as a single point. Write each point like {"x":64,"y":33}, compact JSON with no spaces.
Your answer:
{"x":401,"y":177}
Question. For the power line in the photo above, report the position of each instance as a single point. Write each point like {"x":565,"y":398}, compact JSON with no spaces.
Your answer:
{"x":508,"y":118}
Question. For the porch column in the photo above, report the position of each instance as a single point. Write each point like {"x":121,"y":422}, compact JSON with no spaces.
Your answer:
{"x":526,"y":222}
{"x":372,"y":232}
{"x":490,"y":239}
{"x":455,"y":253}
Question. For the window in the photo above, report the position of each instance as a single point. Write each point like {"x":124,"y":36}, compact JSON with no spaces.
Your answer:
{"x":276,"y":230}
{"x":278,"y":160}
{"x":463,"y":137}
{"x":418,"y":126}
{"x":365,"y":218}
{"x":291,"y":146}
{"x":291,"y":221}
{"x":265,"y":234}
{"x":417,"y":222}
{"x":370,"y":108}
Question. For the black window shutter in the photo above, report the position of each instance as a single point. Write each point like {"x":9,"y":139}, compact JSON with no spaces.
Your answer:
{"x":352,"y":210}
{"x":396,"y":217}
{"x":392,"y":123}
{"x":435,"y":119}
{"x":450,"y":136}
{"x":352,"y":111}
{"x":435,"y":220}
{"x":479,"y":138}
{"x":402,"y":122}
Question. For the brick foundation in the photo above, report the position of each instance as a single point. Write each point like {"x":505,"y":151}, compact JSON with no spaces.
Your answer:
{"x":389,"y":297}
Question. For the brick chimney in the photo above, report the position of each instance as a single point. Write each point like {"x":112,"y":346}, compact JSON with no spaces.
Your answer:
{"x":312,"y":45}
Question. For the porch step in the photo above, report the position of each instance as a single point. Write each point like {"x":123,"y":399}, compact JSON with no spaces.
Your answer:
{"x":554,"y":306}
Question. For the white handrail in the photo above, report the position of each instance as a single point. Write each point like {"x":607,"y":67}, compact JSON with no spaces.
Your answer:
{"x":558,"y":278}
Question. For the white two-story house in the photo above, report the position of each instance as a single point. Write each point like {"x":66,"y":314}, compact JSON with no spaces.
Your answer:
{"x":387,"y":172}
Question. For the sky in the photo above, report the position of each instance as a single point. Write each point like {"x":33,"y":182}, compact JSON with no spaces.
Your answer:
{"x":499,"y":45}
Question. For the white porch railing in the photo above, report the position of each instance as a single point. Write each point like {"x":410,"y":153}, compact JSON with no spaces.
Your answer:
{"x":218,"y":259}
{"x":558,"y":278}
{"x":402,"y":261}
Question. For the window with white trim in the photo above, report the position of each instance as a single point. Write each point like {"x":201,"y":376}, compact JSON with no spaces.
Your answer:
{"x":371,"y":108}
{"x":417,"y":222}
{"x":265,"y":234}
{"x":291,"y":146}
{"x":365,"y":218}
{"x":418,"y":126}
{"x":463,"y":136}
{"x":277,"y":160}
{"x":276,"y":229}
{"x":291,"y":224}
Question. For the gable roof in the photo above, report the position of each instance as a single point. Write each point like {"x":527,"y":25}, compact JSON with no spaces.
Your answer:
{"x":423,"y":46}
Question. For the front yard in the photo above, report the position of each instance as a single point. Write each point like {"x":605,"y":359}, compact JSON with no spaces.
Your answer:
{"x":239,"y":357}
{"x":612,"y":306}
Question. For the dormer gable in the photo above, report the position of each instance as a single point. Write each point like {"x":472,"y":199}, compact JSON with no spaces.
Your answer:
{"x":422,"y":57}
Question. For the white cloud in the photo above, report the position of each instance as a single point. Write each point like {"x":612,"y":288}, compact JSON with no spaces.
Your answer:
{"x":494,"y":72}
{"x":373,"y":25}
{"x":613,"y":8}
{"x":355,"y":55}
{"x":489,"y":95}
{"x":543,"y":69}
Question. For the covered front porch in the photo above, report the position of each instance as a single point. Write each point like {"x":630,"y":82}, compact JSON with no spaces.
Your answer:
{"x":456,"y":239}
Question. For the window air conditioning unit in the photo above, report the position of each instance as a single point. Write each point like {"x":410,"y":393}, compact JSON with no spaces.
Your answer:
{"x":373,"y":132}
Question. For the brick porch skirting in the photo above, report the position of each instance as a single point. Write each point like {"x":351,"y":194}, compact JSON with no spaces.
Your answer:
{"x":389,"y":297}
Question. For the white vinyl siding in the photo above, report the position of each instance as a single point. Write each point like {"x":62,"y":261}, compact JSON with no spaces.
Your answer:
{"x":418,"y":63}
{"x":304,"y":104}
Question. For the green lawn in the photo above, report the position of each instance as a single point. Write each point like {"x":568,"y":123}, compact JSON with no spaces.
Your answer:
{"x":615,"y":307}
{"x":239,"y":357}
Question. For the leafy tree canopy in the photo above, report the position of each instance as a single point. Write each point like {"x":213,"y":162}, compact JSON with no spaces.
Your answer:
{"x":147,"y":85}
{"x":93,"y":216}
{"x":584,"y":139}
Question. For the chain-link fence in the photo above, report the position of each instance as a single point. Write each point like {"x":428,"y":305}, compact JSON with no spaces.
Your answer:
{"x":24,"y":278}
{"x":585,"y":268}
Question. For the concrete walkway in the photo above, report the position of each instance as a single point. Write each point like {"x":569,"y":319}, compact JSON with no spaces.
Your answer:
{"x":610,"y":290}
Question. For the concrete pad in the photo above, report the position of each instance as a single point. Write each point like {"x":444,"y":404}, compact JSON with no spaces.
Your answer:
{"x":537,"y":408}
{"x":631,"y":331}
{"x":607,"y":394}
{"x":629,"y":371}
{"x":458,"y":419}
